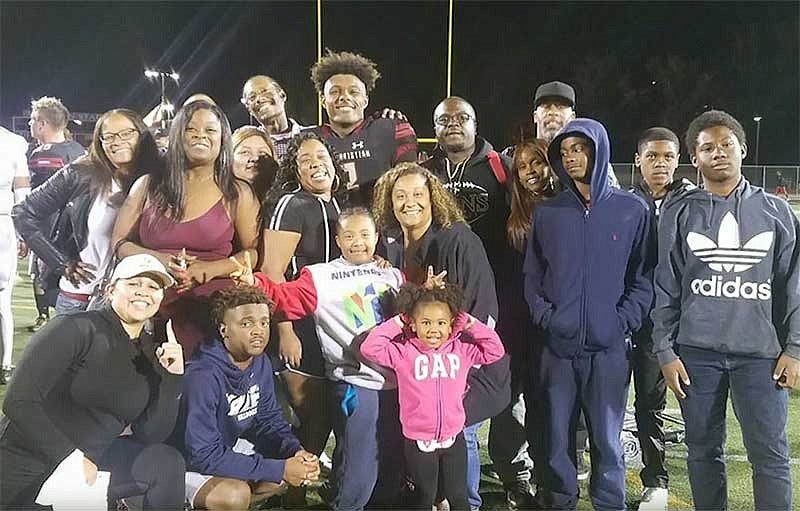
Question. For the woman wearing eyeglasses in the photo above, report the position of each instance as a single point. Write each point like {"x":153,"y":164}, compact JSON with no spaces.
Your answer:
{"x":87,"y":196}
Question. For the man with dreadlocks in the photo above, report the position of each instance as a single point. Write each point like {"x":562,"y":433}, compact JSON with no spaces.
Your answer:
{"x":367,"y":147}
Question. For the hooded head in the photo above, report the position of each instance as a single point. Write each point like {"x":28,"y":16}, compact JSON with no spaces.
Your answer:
{"x":581,"y":152}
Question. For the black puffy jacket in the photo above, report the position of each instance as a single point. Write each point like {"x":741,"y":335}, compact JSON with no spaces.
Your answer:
{"x":69,"y":195}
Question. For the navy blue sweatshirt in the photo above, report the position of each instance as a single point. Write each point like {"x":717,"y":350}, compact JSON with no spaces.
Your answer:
{"x":221,"y":404}
{"x":588,"y":267}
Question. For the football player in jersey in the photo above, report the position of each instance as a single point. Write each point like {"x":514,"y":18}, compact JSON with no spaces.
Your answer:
{"x":367,"y":147}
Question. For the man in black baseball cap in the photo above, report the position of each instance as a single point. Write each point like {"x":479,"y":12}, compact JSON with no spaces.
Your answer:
{"x":553,"y":108}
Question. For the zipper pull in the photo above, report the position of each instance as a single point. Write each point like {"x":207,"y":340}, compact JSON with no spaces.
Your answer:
{"x":586,"y":213}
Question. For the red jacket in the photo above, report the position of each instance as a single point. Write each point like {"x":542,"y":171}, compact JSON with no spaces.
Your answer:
{"x":432,"y":381}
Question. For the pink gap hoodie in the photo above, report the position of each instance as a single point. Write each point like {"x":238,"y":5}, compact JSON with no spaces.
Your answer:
{"x":432,"y":381}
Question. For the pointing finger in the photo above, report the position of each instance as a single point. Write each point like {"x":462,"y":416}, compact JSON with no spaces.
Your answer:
{"x":171,"y":339}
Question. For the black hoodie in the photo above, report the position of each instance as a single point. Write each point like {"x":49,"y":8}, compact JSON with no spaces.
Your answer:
{"x":479,"y":186}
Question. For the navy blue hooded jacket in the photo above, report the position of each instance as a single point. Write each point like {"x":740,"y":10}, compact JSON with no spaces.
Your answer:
{"x":588,"y":270}
{"x":221,"y":404}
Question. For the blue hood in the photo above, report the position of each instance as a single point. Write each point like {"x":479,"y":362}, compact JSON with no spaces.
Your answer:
{"x":601,"y":147}
{"x":238,"y":381}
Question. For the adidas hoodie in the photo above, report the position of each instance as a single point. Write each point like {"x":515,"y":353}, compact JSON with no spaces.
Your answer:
{"x":727,"y":277}
{"x":588,"y":268}
{"x":346,"y":301}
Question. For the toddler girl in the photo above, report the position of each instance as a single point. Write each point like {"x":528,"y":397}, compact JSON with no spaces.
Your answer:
{"x":431,"y":346}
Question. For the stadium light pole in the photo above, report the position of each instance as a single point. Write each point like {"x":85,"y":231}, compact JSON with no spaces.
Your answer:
{"x":758,"y":133}
{"x":166,"y":106}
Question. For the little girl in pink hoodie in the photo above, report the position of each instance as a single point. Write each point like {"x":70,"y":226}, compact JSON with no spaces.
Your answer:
{"x":431,"y":347}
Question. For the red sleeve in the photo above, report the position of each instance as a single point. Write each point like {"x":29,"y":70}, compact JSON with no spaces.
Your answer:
{"x":406,"y":142}
{"x":296,"y":299}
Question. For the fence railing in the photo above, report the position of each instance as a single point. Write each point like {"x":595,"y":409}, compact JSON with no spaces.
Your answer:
{"x":768,"y":177}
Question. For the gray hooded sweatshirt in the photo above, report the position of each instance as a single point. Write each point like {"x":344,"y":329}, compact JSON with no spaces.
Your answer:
{"x":727,"y":277}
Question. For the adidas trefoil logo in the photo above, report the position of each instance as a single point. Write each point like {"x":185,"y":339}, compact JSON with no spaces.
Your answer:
{"x":727,"y":254}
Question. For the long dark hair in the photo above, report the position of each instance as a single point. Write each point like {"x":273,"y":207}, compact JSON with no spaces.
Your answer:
{"x":167,"y":192}
{"x":145,"y":156}
{"x":523,"y":202}
{"x":288,"y":178}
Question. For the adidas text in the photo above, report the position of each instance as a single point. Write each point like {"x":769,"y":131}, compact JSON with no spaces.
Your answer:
{"x":735,"y":288}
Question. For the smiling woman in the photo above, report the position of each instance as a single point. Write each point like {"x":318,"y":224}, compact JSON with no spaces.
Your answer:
{"x":86,"y":196}
{"x":66,"y":393}
{"x":254,"y":159}
{"x":299,"y":227}
{"x":192,"y":218}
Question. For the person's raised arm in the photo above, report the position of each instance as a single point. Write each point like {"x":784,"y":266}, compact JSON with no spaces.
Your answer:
{"x":379,"y":346}
{"x":483,"y":345}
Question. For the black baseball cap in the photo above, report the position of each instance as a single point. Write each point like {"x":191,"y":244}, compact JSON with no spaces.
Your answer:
{"x":554,"y":90}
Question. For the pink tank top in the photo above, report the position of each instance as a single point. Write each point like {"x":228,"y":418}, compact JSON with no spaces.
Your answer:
{"x":209,"y":237}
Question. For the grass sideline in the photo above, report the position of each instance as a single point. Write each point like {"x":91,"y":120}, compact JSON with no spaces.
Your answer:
{"x":740,"y":488}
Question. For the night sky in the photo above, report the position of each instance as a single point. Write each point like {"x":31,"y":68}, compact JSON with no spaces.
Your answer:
{"x":737,"y":56}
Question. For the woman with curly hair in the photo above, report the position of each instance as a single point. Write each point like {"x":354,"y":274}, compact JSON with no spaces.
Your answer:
{"x":193,"y":218}
{"x":299,"y":229}
{"x":422,"y":225}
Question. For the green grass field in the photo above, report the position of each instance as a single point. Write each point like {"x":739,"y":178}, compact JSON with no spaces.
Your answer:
{"x":740,"y":488}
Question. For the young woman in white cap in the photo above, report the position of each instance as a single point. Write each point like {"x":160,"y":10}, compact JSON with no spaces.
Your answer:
{"x":96,"y":381}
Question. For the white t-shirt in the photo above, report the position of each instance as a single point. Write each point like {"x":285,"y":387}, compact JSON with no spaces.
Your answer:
{"x":98,"y":243}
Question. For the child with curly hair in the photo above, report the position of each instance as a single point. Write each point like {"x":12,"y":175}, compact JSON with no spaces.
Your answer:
{"x":431,"y":345}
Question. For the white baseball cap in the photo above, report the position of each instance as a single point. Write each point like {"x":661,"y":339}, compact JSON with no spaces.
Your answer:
{"x":139,"y":264}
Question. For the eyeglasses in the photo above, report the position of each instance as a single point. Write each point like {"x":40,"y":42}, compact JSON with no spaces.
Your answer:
{"x":127,"y":134}
{"x":272,"y":92}
{"x":446,"y":120}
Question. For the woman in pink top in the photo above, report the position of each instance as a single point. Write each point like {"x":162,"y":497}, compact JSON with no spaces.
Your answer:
{"x":194,"y":218}
{"x":431,"y":352}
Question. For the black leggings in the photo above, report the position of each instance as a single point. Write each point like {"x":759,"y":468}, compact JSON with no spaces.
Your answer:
{"x":428,"y":469}
{"x":153,"y":472}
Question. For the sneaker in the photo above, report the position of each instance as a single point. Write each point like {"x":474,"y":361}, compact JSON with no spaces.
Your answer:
{"x":39,"y":323}
{"x":325,"y":465}
{"x":519,"y":495}
{"x":6,"y":374}
{"x":584,"y":469}
{"x":654,"y":499}
{"x":442,"y":505}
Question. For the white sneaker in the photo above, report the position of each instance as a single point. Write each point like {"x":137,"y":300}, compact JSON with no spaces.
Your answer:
{"x":654,"y":499}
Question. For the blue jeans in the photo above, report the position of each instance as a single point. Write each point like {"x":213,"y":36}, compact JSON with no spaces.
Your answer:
{"x":596,"y":383}
{"x":473,"y":465}
{"x":761,"y":408}
{"x":368,"y":461}
{"x":65,"y":304}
